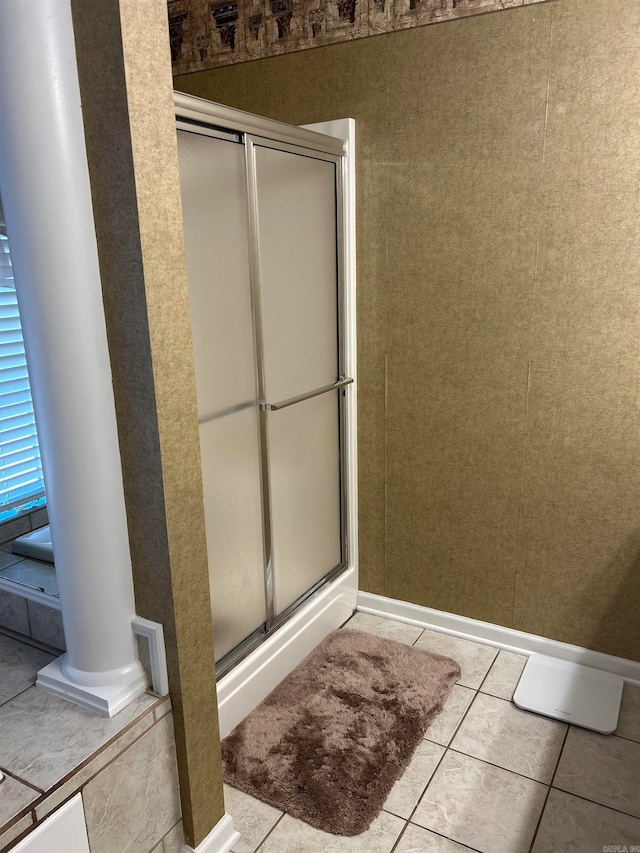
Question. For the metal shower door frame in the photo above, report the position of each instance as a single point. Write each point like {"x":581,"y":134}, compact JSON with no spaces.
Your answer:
{"x":209,"y":119}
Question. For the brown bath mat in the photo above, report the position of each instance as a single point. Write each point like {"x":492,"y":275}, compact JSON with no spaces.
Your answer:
{"x":329,"y":742}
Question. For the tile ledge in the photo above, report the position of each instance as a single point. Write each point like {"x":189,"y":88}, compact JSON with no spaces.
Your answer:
{"x":149,"y":710}
{"x":29,"y":593}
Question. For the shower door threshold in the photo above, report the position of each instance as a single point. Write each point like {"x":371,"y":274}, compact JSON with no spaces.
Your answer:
{"x":254,"y":640}
{"x":246,"y":685}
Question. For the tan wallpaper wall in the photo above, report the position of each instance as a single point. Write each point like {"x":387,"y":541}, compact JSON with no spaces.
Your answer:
{"x":206,"y":34}
{"x":498,"y":306}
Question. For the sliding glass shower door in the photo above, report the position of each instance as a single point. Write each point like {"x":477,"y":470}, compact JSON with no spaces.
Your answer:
{"x":262,"y":236}
{"x":296,"y":260}
{"x":215,"y":214}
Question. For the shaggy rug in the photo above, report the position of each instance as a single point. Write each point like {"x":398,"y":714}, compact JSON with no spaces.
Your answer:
{"x":327,"y":745}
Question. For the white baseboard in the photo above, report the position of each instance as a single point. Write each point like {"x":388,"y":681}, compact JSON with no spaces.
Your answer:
{"x":495,"y":635}
{"x":255,"y":677}
{"x":220,"y":840}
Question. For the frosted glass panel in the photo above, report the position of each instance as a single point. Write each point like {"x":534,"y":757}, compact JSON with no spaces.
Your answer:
{"x":298,"y":287}
{"x":214,"y":202}
{"x":229,"y":448}
{"x":305,"y":495}
{"x":214,"y":199}
{"x":298,"y":271}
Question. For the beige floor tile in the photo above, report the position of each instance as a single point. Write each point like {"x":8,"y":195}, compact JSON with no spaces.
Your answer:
{"x":474,"y":658}
{"x":15,"y":830}
{"x":389,"y":628}
{"x":252,"y":818}
{"x":44,"y":737}
{"x":573,"y":825}
{"x":135,"y":800}
{"x":418,"y":840}
{"x":443,"y":728}
{"x":409,"y":788}
{"x":46,"y":625}
{"x":9,"y":559}
{"x":294,"y":836}
{"x":19,"y":665}
{"x":502,"y":679}
{"x":13,"y":612}
{"x":629,"y":720}
{"x":90,"y":768}
{"x":601,"y":768}
{"x":173,"y":842}
{"x":14,"y":797}
{"x":496,"y":731}
{"x":484,"y":807}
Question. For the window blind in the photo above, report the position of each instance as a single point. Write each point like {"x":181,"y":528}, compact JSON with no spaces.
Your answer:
{"x":20,"y":464}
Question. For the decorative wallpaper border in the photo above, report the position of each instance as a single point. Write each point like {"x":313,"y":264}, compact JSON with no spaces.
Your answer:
{"x":213,"y":33}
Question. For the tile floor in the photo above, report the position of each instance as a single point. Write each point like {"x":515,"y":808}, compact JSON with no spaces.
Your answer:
{"x":487,"y":777}
{"x":31,"y":573}
{"x":19,"y":665}
{"x":40,"y":620}
{"x":47,"y":742}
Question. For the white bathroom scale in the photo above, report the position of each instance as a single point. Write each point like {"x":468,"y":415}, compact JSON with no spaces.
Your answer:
{"x":577,"y":694}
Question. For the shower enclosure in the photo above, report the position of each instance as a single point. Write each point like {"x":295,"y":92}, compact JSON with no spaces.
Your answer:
{"x":264,"y":236}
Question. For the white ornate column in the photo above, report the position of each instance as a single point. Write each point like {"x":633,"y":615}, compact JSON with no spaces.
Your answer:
{"x":46,"y":196}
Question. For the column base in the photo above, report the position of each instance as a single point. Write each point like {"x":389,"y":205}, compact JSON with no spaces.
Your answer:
{"x":105,"y":699}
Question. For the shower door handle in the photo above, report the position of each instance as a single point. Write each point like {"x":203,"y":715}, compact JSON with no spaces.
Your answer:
{"x":273,"y":407}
